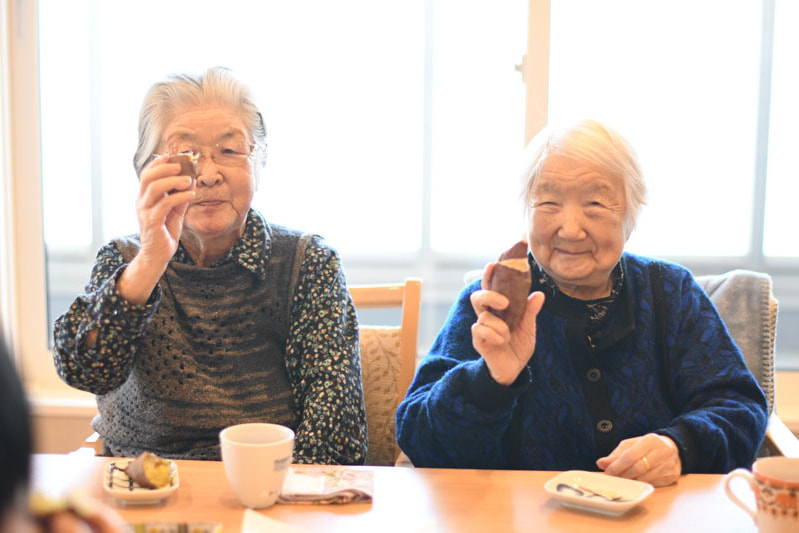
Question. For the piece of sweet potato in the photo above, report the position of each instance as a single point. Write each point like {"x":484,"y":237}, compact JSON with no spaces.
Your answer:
{"x":150,"y":471}
{"x":188,"y":163}
{"x":511,"y":277}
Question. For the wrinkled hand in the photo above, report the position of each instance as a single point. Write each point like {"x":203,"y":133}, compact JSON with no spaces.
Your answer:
{"x":69,"y":522}
{"x":79,"y":513}
{"x":161,"y":206}
{"x":506,"y":353}
{"x":661,"y":467}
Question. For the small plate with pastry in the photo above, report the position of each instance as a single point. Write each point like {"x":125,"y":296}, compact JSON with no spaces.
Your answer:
{"x":148,"y":479}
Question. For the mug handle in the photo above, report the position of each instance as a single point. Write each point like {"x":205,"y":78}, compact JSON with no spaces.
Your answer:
{"x":744,"y":473}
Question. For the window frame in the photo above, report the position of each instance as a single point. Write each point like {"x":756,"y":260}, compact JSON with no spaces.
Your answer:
{"x":784,"y":271}
{"x":23,"y":299}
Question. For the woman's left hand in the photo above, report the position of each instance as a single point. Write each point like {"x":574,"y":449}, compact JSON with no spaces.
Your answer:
{"x":69,"y":522}
{"x":652,"y":458}
{"x":75,"y":513}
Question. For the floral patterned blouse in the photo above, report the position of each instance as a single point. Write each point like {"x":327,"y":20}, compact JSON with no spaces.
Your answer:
{"x":227,"y":344}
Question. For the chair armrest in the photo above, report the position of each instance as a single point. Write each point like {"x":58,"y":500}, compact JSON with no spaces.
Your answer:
{"x":783,"y":441}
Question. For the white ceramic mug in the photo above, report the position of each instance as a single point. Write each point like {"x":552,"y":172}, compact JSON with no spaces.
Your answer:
{"x":256,"y":459}
{"x":775,"y":482}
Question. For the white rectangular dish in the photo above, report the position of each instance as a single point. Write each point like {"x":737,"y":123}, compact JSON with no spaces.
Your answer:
{"x":597,"y":492}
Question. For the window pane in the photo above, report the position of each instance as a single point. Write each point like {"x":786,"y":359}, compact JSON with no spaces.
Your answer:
{"x":341,"y":88}
{"x":65,"y":116}
{"x":782,"y":187}
{"x":682,"y":87}
{"x":477,"y":125}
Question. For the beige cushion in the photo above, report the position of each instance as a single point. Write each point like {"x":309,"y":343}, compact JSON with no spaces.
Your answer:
{"x":380,"y":362}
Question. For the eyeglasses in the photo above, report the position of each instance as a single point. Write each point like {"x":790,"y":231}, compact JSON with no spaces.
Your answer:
{"x":231,"y":153}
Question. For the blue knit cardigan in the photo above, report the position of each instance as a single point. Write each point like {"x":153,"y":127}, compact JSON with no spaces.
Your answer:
{"x":668,"y":367}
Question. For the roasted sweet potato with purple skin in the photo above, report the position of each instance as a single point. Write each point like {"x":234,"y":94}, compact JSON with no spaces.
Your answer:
{"x":513,"y":283}
{"x":149,"y":471}
{"x":188,"y":163}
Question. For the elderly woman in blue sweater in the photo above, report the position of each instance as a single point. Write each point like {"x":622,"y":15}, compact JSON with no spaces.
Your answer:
{"x":620,"y":363}
{"x":211,"y":315}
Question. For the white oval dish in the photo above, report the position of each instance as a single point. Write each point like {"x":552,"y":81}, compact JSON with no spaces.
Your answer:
{"x":597,"y":492}
{"x":119,"y":485}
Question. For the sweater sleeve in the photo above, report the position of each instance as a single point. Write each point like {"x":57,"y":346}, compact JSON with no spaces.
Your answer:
{"x":119,"y":324}
{"x":455,"y":414}
{"x":722,"y":410}
{"x":324,"y":364}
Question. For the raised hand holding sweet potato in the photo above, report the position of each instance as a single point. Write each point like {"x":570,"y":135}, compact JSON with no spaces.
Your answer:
{"x":506,"y":352}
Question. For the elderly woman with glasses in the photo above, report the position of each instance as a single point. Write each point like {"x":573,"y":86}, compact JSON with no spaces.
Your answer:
{"x":619,"y":362}
{"x":210,"y":315}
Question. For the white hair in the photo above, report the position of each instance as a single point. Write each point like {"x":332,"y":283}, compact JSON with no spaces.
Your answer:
{"x":218,"y":86}
{"x":597,"y":145}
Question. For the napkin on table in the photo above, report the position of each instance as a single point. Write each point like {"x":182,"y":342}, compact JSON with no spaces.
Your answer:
{"x":329,"y":484}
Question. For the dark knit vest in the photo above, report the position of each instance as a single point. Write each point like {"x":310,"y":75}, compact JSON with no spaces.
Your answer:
{"x":212,"y":356}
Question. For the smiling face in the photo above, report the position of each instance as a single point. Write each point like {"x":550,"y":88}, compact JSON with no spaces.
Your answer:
{"x":224,"y":192}
{"x":576,"y":226}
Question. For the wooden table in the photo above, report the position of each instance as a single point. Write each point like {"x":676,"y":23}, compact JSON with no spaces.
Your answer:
{"x":416,"y":499}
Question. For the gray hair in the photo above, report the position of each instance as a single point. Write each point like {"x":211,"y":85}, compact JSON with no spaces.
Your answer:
{"x":597,"y":145}
{"x":216,"y":86}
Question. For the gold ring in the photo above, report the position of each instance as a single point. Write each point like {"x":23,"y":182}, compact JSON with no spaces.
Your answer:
{"x":646,"y":462}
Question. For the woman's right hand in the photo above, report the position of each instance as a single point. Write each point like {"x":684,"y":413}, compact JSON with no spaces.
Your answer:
{"x":74,"y":513}
{"x":164,"y":197}
{"x":506,"y":353}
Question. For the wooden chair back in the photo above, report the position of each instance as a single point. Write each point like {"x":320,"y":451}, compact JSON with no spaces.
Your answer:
{"x":388,"y":361}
